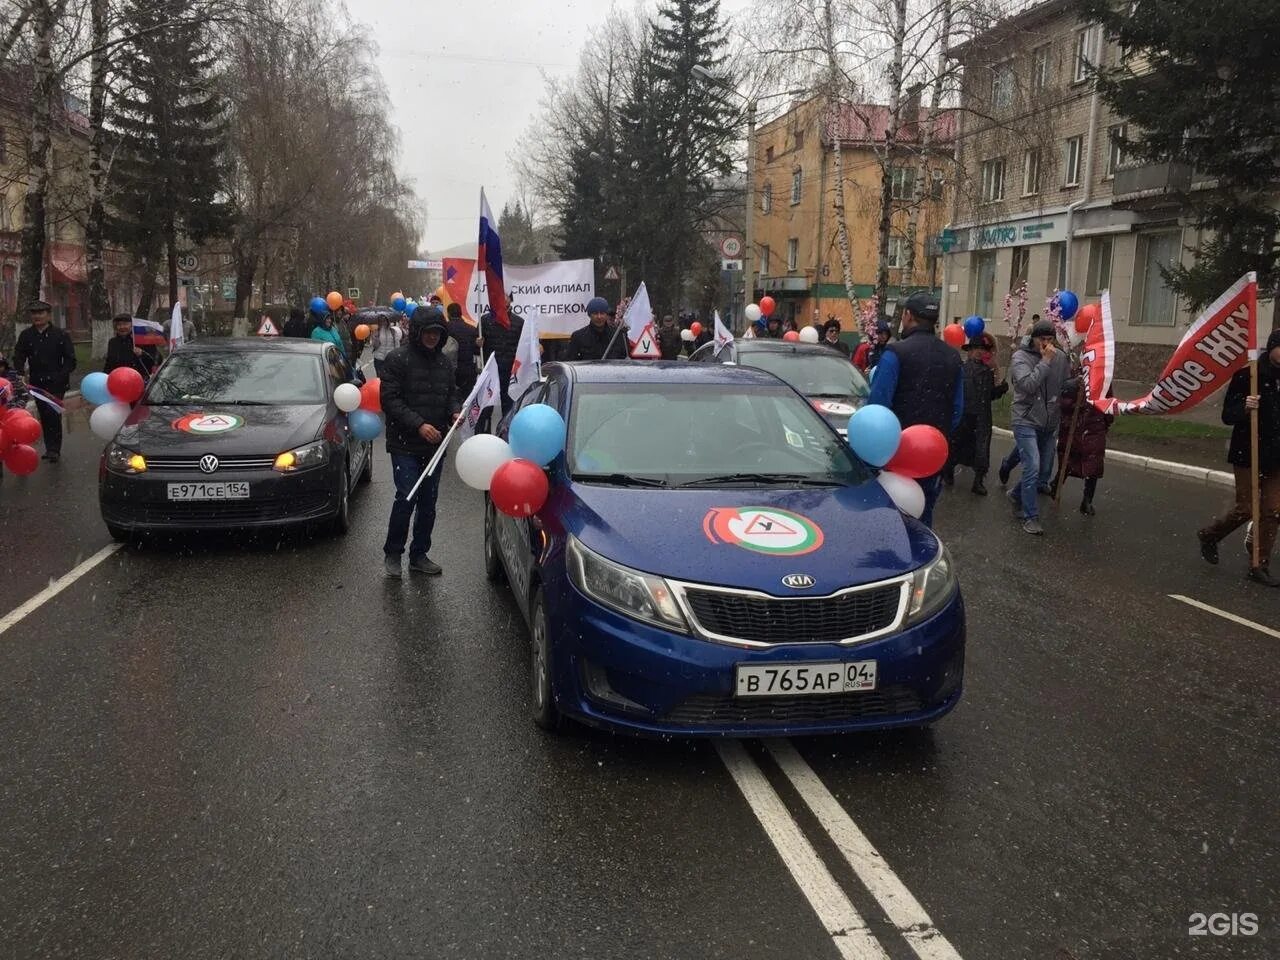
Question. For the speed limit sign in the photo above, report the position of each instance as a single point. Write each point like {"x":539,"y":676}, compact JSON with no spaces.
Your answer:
{"x":731,"y":247}
{"x":188,"y":263}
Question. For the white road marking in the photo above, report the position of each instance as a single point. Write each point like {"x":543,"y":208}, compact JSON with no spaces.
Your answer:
{"x":55,"y":588}
{"x":847,"y":928}
{"x":903,"y":909}
{"x":1226,"y":616}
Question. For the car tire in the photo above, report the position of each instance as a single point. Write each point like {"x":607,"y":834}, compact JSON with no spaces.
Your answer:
{"x":340,"y":522}
{"x":120,"y":534}
{"x":366,"y":474}
{"x":542,"y":696}
{"x":493,"y":569}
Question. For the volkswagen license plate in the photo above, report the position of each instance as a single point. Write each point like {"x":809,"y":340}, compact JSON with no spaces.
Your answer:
{"x":209,"y":491}
{"x":793,"y":679}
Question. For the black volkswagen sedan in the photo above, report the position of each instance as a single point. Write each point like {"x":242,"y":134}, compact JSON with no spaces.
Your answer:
{"x":236,"y":434}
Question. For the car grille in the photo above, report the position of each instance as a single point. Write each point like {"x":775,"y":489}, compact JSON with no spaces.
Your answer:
{"x":224,"y":512}
{"x":186,"y":465}
{"x":705,"y":709}
{"x":761,"y":619}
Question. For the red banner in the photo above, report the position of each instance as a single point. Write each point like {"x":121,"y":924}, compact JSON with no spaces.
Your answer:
{"x":1213,"y":349}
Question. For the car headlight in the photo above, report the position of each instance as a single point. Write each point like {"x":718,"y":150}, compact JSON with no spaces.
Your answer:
{"x":630,"y":592}
{"x":123,"y":460}
{"x":303,"y":458}
{"x":932,"y":587}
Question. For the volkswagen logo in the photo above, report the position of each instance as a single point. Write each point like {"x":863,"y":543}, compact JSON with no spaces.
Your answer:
{"x":208,"y":463}
{"x":798,"y":581}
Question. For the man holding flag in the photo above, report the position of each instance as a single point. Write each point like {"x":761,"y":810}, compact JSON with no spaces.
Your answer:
{"x":599,"y":339}
{"x":46,"y":355}
{"x":134,"y":345}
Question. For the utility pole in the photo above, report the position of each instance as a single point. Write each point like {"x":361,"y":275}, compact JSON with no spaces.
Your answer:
{"x":748,"y":257}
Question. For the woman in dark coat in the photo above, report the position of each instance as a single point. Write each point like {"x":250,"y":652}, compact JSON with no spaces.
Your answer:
{"x":971,"y":441}
{"x":1089,"y":443}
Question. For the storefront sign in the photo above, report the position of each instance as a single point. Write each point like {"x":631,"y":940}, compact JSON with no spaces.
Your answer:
{"x":1017,"y":234}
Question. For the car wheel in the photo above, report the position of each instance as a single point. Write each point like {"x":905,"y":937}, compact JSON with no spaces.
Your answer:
{"x":120,"y":534}
{"x":492,"y":562}
{"x":366,"y":474}
{"x":340,"y":522}
{"x":543,"y":704}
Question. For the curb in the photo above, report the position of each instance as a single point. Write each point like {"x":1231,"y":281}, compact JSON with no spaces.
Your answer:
{"x":1185,"y":471}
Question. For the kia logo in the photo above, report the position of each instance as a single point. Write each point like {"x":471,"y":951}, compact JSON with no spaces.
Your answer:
{"x":798,"y":581}
{"x":208,"y":463}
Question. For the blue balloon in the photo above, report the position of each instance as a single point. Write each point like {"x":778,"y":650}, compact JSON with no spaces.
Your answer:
{"x":974,"y":326}
{"x":1068,"y":304}
{"x":364,"y":424}
{"x":537,"y":433}
{"x":94,"y":388}
{"x":874,"y":434}
{"x":318,"y":305}
{"x":399,"y":303}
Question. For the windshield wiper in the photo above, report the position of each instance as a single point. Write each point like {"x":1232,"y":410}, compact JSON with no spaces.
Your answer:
{"x":620,"y":479}
{"x":797,"y":479}
{"x":243,"y":403}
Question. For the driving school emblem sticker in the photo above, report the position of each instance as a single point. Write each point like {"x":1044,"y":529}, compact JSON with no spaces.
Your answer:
{"x":207,"y":423}
{"x":767,"y":530}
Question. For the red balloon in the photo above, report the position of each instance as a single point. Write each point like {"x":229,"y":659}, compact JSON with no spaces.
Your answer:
{"x":791,"y":335}
{"x":371,"y":395}
{"x":953,"y":333}
{"x":125,"y":384}
{"x":5,"y":441}
{"x":922,"y":452}
{"x":519,"y":488}
{"x":695,"y":328}
{"x":1086,"y":316}
{"x":768,"y":305}
{"x":21,"y":459}
{"x":22,"y":428}
{"x":9,"y":414}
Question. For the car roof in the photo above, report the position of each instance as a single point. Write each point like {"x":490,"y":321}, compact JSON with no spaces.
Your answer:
{"x":761,"y":345}
{"x":254,"y":345}
{"x":661,"y":371}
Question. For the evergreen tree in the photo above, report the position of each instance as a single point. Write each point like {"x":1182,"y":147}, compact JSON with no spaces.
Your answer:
{"x":519,"y":239}
{"x":169,"y":176}
{"x":1200,"y":88}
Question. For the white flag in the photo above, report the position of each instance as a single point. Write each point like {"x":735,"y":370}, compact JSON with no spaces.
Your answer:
{"x":483,"y":396}
{"x":723,"y":337}
{"x":175,"y":327}
{"x":526,"y":369}
{"x":638,"y":316}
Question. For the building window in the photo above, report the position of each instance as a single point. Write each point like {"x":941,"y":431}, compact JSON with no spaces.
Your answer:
{"x":1021,"y":267}
{"x":1071,"y":162}
{"x":1058,"y":266}
{"x":1099,"y":265}
{"x":799,"y":139}
{"x":1030,"y":173}
{"x":902,"y":182}
{"x":984,"y":282}
{"x":897,"y":253}
{"x":993,"y":180}
{"x":793,"y":253}
{"x":1080,"y":56}
{"x":1159,"y":306}
{"x":768,"y":154}
{"x":797,"y":182}
{"x":1039,"y":68}
{"x":1002,"y":84}
{"x":938,"y":185}
{"x":1115,"y":149}
{"x":766,"y":199}
{"x":764,"y":260}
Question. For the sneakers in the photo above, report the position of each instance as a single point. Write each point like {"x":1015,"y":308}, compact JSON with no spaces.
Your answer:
{"x":392,"y":566}
{"x":52,"y":456}
{"x":1033,"y":527}
{"x":1208,"y":549}
{"x":424,"y":565}
{"x":1263,"y":576}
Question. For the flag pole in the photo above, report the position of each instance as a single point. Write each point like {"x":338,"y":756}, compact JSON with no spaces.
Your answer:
{"x":435,"y":459}
{"x":613,"y":339}
{"x":1255,"y":480}
{"x":1071,"y":439}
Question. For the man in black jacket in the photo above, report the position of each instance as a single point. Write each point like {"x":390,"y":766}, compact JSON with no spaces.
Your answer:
{"x":500,"y":340}
{"x":122,"y":352}
{"x":420,"y":400}
{"x":669,"y":342}
{"x":47,"y":356}
{"x":597,"y":340}
{"x":296,"y":325}
{"x":464,"y":335}
{"x":1236,"y":412}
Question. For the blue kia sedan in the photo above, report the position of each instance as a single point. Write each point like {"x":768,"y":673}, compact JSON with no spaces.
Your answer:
{"x":714,"y":560}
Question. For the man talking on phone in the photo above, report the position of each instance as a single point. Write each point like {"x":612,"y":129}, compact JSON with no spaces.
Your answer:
{"x":1037,"y":380}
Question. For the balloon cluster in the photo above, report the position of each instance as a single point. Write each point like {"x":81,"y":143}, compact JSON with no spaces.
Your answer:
{"x":113,"y":396}
{"x":18,"y":430}
{"x":903,"y":456}
{"x":765,"y":308}
{"x":1081,"y":315}
{"x":363,"y":407}
{"x":513,"y":472}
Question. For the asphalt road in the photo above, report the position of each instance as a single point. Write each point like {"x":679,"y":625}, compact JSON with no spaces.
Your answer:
{"x":236,"y":748}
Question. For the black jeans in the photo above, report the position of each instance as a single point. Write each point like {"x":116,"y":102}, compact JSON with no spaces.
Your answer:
{"x":405,"y":470}
{"x":50,"y":423}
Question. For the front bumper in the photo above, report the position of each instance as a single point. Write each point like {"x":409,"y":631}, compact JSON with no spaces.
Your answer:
{"x":140,"y":503}
{"x":613,"y":672}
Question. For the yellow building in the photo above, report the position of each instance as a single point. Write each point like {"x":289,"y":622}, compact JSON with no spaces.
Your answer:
{"x":795,"y":221}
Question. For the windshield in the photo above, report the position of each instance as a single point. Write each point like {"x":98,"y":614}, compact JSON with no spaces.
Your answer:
{"x":680,"y":433}
{"x":812,"y":374}
{"x":234,"y":377}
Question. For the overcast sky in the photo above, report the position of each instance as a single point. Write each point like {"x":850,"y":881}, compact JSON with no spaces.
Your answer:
{"x":465,"y":80}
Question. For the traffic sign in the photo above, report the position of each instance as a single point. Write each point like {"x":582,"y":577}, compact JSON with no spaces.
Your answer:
{"x":646,"y":347}
{"x":611,"y":273}
{"x":731,"y":247}
{"x":268,"y":329}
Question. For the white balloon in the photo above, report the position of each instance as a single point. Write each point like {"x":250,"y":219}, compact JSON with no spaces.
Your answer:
{"x":753,"y":312}
{"x":106,"y":420}
{"x":347,"y":397}
{"x":906,"y":494}
{"x":479,"y":457}
{"x":687,"y":336}
{"x":809,"y":335}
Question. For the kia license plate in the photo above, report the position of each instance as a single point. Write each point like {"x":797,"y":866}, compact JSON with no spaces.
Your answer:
{"x":792,"y":679}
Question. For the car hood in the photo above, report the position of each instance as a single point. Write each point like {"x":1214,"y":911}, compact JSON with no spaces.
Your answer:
{"x":750,"y":538}
{"x":226,"y":430}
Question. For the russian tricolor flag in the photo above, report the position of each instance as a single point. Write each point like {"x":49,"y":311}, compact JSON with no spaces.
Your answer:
{"x":489,"y":260}
{"x":148,"y":333}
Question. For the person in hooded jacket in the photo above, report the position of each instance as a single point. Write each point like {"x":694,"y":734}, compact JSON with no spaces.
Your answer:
{"x":1236,"y":412}
{"x":971,"y":441}
{"x":327,"y":331}
{"x":420,"y":400}
{"x":597,"y":340}
{"x":669,"y":338}
{"x":296,"y":325}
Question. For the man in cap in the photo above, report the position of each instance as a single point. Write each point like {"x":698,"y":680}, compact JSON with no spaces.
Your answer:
{"x":919,"y":378}
{"x":1037,"y":377}
{"x":599,"y":339}
{"x":47,"y":356}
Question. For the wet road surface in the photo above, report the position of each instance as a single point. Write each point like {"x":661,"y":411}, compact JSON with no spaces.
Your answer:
{"x":228,"y":747}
